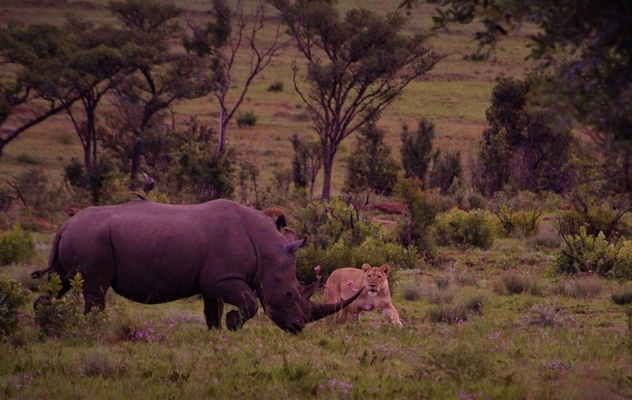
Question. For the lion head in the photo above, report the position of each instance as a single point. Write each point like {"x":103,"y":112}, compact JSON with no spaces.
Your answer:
{"x":375,"y":279}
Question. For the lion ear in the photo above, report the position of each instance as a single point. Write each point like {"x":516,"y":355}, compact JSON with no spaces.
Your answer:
{"x":385,"y":268}
{"x":365,"y":267}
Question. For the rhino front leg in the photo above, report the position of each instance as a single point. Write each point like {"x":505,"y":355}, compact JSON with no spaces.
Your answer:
{"x":237,"y":293}
{"x":213,"y":310}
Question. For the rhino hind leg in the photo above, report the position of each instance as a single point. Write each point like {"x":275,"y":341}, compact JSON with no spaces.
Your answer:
{"x":94,"y":297}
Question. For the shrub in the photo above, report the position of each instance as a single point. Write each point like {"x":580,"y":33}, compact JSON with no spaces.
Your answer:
{"x":25,"y":158}
{"x":545,"y":238}
{"x":585,"y":288}
{"x":98,"y":362}
{"x":246,"y":119}
{"x":12,"y":297}
{"x":476,"y":228}
{"x":339,"y":255}
{"x":276,"y":86}
{"x":423,"y":207}
{"x":608,"y":214}
{"x":544,"y":315}
{"x":622,"y":297}
{"x":435,"y":295}
{"x":512,"y":282}
{"x":584,"y":253}
{"x":16,"y":245}
{"x":458,"y":313}
{"x":416,"y":150}
{"x":59,"y":317}
{"x":412,"y":292}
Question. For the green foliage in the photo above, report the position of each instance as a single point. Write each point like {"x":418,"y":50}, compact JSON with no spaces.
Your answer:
{"x":416,"y":150}
{"x":518,"y":214}
{"x":476,"y":228}
{"x":610,"y":215}
{"x":194,"y":170}
{"x":332,"y":221}
{"x":423,"y":206}
{"x":247,"y":118}
{"x":584,"y":253}
{"x":12,"y":297}
{"x":16,"y":245}
{"x":371,"y":165}
{"x":64,"y":317}
{"x":339,"y":255}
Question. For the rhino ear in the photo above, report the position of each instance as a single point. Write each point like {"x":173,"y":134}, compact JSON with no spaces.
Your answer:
{"x":289,"y":235}
{"x":293,"y":247}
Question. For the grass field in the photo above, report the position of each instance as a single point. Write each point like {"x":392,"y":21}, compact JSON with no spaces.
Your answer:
{"x":465,"y":335}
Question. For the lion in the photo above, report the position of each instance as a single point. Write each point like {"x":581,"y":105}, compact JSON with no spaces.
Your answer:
{"x":344,"y":282}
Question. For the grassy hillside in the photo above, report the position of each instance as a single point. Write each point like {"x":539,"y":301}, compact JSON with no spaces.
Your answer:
{"x":454,"y":95}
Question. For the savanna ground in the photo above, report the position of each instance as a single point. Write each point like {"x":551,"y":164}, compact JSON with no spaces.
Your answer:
{"x":554,"y":338}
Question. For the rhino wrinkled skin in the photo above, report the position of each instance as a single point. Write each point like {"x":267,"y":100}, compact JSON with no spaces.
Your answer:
{"x":155,"y":253}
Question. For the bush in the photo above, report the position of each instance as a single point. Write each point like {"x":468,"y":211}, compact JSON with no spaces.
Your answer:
{"x":246,"y":119}
{"x":584,"y":253}
{"x":371,"y":251}
{"x":16,"y":245}
{"x":64,"y":317}
{"x":423,"y":207}
{"x":622,"y":297}
{"x":12,"y":297}
{"x":475,"y":228}
{"x":585,"y":288}
{"x":276,"y":86}
{"x":512,"y":282}
{"x":454,"y":314}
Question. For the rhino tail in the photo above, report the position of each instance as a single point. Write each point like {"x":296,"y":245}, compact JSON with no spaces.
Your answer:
{"x":52,"y":259}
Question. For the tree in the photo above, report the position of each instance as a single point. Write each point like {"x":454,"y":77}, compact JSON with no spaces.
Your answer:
{"x":371,"y":165}
{"x":416,"y":150}
{"x":521,"y":147}
{"x":306,"y":162}
{"x":230,"y":33}
{"x":356,"y":67}
{"x":32,"y":65}
{"x":163,"y":75}
{"x":588,"y":44}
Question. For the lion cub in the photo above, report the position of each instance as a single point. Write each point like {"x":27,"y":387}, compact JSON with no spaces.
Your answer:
{"x":344,"y":282}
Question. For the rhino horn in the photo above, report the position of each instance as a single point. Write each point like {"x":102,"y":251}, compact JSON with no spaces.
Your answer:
{"x":322,"y":310}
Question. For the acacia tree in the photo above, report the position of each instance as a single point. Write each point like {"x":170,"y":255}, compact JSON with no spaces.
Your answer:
{"x":231,"y":33}
{"x":33,"y":67}
{"x":356,"y":67}
{"x":162,"y":76}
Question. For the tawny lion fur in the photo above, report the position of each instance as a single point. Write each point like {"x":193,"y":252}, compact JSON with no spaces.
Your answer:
{"x":345,"y":282}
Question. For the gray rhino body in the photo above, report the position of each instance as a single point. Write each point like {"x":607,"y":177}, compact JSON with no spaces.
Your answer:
{"x":155,"y":253}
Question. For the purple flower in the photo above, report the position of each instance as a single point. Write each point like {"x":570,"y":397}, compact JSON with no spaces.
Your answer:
{"x":349,"y":282}
{"x":368,"y":307}
{"x":317,"y":268}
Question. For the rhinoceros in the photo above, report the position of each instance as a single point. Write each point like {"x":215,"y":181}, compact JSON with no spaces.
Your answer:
{"x":155,"y":253}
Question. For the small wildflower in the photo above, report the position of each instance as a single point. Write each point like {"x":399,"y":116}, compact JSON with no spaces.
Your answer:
{"x":368,"y":307}
{"x":349,"y":282}
{"x":317,"y":268}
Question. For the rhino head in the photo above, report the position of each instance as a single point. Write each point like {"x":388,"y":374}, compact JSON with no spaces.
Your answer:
{"x":285,"y":301}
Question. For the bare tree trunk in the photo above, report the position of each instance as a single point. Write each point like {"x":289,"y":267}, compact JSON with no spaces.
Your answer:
{"x":328,"y":165}
{"x":221,"y":142}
